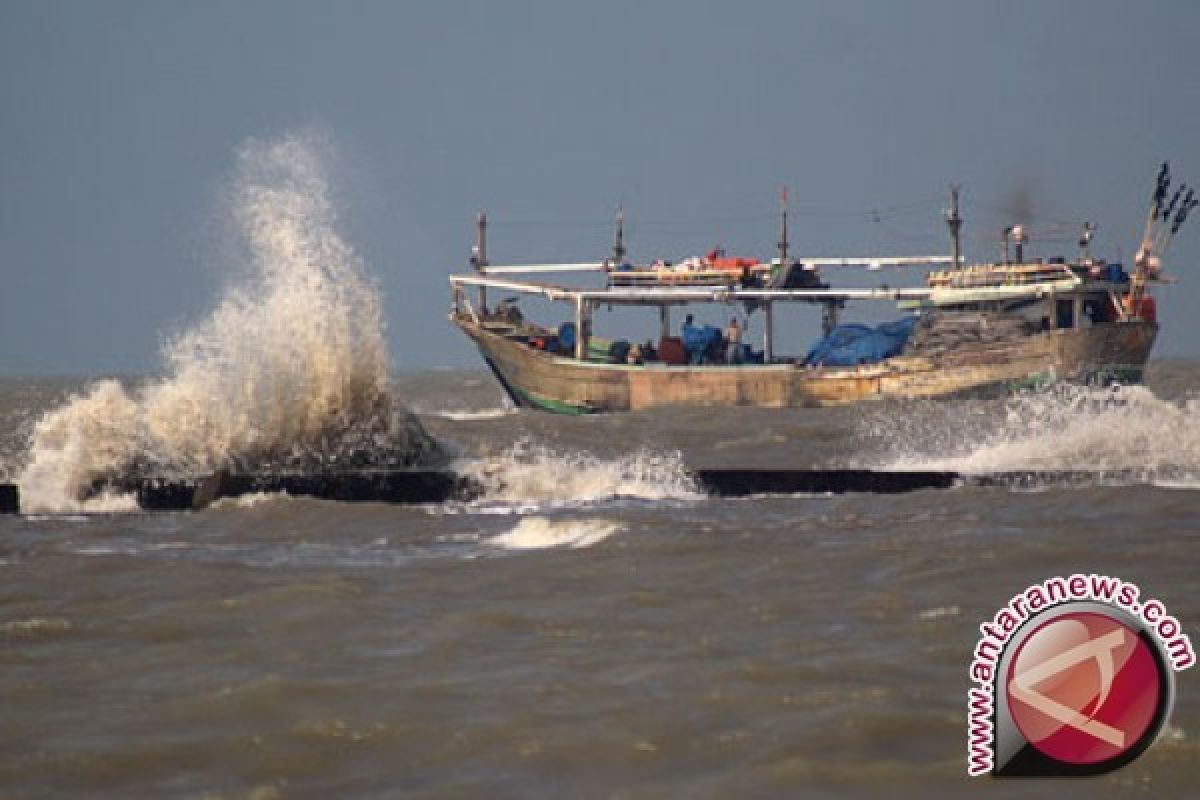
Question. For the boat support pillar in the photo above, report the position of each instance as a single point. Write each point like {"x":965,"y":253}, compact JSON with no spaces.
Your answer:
{"x":829,"y":319}
{"x":769,"y":332}
{"x":583,"y":327}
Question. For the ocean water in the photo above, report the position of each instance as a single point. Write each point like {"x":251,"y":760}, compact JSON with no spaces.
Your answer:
{"x":591,"y":626}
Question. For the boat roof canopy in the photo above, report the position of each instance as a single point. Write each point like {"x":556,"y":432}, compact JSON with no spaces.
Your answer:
{"x":867,"y":262}
{"x":678,"y":295}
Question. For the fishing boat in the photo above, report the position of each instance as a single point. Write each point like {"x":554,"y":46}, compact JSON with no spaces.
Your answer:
{"x":1003,"y":324}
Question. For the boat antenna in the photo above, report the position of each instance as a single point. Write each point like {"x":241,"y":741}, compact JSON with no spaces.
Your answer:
{"x":954,"y":221}
{"x":783,"y":214}
{"x":619,"y":243}
{"x":479,"y":251}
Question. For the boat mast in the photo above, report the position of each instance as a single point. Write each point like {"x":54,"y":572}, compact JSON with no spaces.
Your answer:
{"x":954,"y":221}
{"x":479,"y":256}
{"x":619,"y":243}
{"x":768,"y":306}
{"x":783,"y":239}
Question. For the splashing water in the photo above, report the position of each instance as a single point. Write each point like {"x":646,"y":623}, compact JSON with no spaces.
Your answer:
{"x":1063,"y":427}
{"x":291,"y":366}
{"x":530,"y":476}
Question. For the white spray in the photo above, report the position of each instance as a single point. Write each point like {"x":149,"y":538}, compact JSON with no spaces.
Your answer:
{"x":291,"y":359}
{"x":1063,"y":427}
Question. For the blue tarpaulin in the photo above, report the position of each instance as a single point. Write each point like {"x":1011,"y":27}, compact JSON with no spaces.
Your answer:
{"x":566,"y":336}
{"x":697,"y":340}
{"x":848,"y":345}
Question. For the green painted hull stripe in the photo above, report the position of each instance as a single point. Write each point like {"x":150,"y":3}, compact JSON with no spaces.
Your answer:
{"x":549,"y":404}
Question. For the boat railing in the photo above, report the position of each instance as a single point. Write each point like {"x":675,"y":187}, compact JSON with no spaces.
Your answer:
{"x":667,"y":277}
{"x":672,"y":295}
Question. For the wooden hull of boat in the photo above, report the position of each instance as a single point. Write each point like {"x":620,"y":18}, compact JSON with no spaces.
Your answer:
{"x":536,"y":379}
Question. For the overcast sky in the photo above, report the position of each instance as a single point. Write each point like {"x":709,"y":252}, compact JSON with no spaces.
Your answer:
{"x":119,"y":124}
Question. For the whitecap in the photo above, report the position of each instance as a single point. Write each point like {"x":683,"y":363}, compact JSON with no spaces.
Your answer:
{"x":531,"y":477}
{"x":539,"y":533}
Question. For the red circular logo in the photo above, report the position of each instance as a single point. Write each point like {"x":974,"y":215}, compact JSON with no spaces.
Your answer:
{"x":1084,"y":688}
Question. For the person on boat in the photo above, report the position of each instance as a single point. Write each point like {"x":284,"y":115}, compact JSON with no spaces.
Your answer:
{"x":733,"y":342}
{"x":688,"y":327}
{"x":635,"y":357}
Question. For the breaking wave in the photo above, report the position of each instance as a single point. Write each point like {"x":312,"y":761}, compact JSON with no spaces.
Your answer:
{"x":530,"y":476}
{"x":539,"y":533}
{"x":291,"y":366}
{"x":1062,"y":427}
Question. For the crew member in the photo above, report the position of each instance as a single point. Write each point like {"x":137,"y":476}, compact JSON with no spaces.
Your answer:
{"x":733,"y":342}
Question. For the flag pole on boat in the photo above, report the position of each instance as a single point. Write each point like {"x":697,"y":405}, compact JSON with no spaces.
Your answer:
{"x":1189,"y":202}
{"x":1161,"y":187}
{"x":1160,"y":230}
